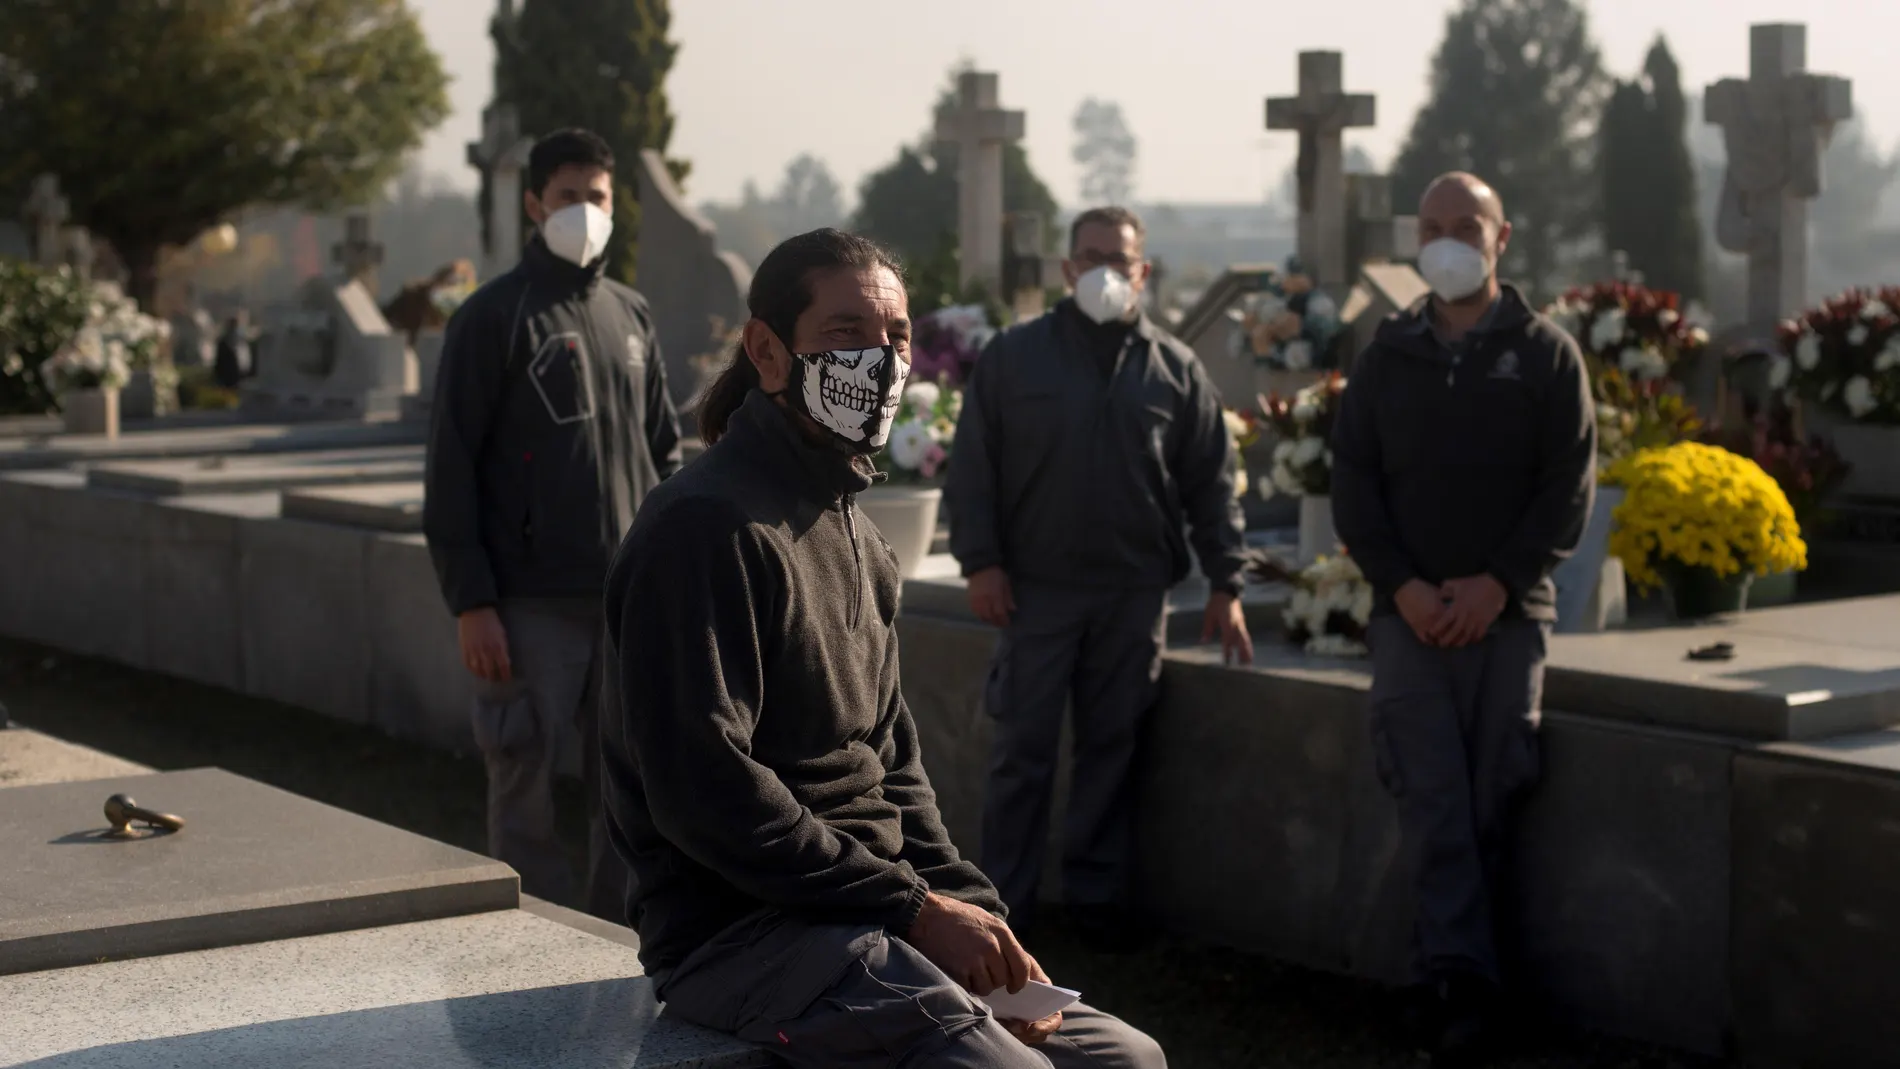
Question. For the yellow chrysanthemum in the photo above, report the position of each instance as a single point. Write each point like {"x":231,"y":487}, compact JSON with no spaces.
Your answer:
{"x":1704,"y":507}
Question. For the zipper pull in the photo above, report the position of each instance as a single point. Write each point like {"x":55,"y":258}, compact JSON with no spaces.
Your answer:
{"x":857,"y":557}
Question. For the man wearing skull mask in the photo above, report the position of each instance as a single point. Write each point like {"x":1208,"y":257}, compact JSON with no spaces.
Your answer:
{"x":1090,"y":443}
{"x":795,"y":885}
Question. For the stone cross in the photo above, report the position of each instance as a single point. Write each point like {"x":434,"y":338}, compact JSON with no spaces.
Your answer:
{"x":1373,"y":233}
{"x":45,"y":213}
{"x":1775,"y":125}
{"x":980,"y":128}
{"x":78,"y":251}
{"x":358,"y":253}
{"x":501,"y":155}
{"x":1321,"y":114}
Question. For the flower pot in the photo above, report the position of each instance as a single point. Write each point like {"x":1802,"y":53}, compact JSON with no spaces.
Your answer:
{"x":1697,"y":593}
{"x":1316,"y":529}
{"x":1582,"y":604}
{"x":94,"y":411}
{"x":1767,"y":591}
{"x":907,"y":518}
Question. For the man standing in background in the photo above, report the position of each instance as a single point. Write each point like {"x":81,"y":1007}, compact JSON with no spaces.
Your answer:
{"x":1464,"y":467}
{"x":1090,"y":440}
{"x":551,"y":422}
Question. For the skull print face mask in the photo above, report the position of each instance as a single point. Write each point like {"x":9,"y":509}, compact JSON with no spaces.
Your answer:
{"x":853,"y":393}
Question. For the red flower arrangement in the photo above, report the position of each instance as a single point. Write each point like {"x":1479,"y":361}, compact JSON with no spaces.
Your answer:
{"x":1845,"y":354}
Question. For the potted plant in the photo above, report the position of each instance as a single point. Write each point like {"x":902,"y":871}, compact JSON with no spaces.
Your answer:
{"x":1807,"y":470}
{"x":1632,"y":338}
{"x":1303,"y":459}
{"x":1843,"y":360}
{"x":41,"y":310}
{"x":1701,"y":522}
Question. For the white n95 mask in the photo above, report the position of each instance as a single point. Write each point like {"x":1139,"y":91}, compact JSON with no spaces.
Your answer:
{"x":1105,"y":295}
{"x":578,"y":233}
{"x":1453,"y":269}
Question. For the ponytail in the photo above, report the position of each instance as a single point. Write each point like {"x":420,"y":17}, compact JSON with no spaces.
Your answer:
{"x":726,"y":394}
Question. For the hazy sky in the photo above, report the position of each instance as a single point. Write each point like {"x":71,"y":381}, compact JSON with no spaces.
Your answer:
{"x":760,"y":81}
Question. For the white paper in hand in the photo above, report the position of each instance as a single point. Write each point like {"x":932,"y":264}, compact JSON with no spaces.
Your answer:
{"x":1034,"y":1002}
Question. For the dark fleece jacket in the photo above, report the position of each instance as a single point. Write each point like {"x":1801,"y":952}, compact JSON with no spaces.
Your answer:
{"x":763,"y":755}
{"x":1470,"y":459}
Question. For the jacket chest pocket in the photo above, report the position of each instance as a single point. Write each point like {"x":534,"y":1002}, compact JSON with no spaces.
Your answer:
{"x":560,"y":375}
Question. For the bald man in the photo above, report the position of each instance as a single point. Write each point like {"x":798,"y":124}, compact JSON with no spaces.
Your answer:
{"x":1464,"y":467}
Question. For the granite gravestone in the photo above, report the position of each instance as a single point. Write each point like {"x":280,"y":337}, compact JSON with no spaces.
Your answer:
{"x":979,"y":128}
{"x":695,"y":290}
{"x":333,"y":357}
{"x":45,"y":213}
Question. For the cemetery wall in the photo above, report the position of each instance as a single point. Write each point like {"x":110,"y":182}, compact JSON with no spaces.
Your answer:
{"x":1656,"y":871}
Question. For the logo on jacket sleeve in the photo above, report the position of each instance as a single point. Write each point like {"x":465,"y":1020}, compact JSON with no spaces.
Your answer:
{"x":559,"y":374}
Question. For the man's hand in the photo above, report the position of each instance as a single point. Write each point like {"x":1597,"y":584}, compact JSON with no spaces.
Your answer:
{"x":991,"y":597}
{"x":1422,"y":606}
{"x":1032,"y":1033}
{"x":484,"y":644}
{"x":1471,"y":606}
{"x":1224,"y":615}
{"x":971,"y":946}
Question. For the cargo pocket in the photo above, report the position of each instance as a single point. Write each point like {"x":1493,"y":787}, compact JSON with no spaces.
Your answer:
{"x":505,"y":721}
{"x":892,"y":1007}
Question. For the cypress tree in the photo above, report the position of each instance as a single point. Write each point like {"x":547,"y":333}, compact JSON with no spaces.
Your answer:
{"x":598,"y":64}
{"x":1648,"y":178}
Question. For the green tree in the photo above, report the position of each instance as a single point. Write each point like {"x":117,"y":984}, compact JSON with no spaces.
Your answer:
{"x":164,"y":119}
{"x":1650,"y":201}
{"x":1517,"y":90}
{"x":598,"y":64}
{"x":1106,"y":149}
{"x":911,"y":206}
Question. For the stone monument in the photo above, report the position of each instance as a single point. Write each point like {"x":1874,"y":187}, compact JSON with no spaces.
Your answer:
{"x":1321,"y":113}
{"x":694,"y":289}
{"x":358,"y":254}
{"x":979,"y":127}
{"x":333,"y":357}
{"x":1029,"y":271}
{"x":45,"y":213}
{"x":501,"y":155}
{"x":1775,"y":125}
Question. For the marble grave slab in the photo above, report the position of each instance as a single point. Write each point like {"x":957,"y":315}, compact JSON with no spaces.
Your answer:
{"x":233,"y":475}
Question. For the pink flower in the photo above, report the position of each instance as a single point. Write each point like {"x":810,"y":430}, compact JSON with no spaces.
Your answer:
{"x":934,"y":456}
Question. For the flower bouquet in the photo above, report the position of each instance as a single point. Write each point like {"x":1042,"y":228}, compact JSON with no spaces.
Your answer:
{"x":1628,"y":327}
{"x":1702,"y":521}
{"x":1244,"y":429}
{"x":1302,"y":426}
{"x":116,"y":339}
{"x":1331,"y":606}
{"x":1845,"y":355}
{"x":948,"y":341}
{"x":921,"y":436}
{"x":1287,"y":322}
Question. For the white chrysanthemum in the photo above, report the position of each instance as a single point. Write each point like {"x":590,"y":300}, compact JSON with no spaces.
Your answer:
{"x":1236,"y":424}
{"x":1320,"y":306}
{"x":1240,"y":483}
{"x":1889,"y":357}
{"x":922,"y":397}
{"x":908,"y":442}
{"x":1607,"y":331}
{"x":1780,"y":370}
{"x":1667,"y":318}
{"x":1362,"y":605}
{"x":1305,"y":409}
{"x":1308,"y":450}
{"x":1283,"y":452}
{"x":1859,"y":396}
{"x":1875,"y":310}
{"x":1857,"y":335}
{"x":1297,"y":354}
{"x":1265,"y":489}
{"x":1285,"y":482}
{"x":1807,"y":351}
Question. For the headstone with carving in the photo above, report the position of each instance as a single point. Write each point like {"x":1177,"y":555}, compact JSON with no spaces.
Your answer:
{"x":333,"y":357}
{"x":979,"y":127}
{"x":501,"y":155}
{"x":45,"y":213}
{"x":1775,"y":125}
{"x":1321,"y":113}
{"x":693,"y":288}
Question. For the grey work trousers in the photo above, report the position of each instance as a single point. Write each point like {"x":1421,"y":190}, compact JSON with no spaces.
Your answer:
{"x":561,"y":677}
{"x":1102,"y":648}
{"x":842,"y":996}
{"x":1455,"y":737}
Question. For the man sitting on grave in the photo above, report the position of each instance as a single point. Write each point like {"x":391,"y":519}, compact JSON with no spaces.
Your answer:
{"x":1464,"y":467}
{"x":551,"y":423}
{"x":1091,"y":453}
{"x":794,"y":882}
